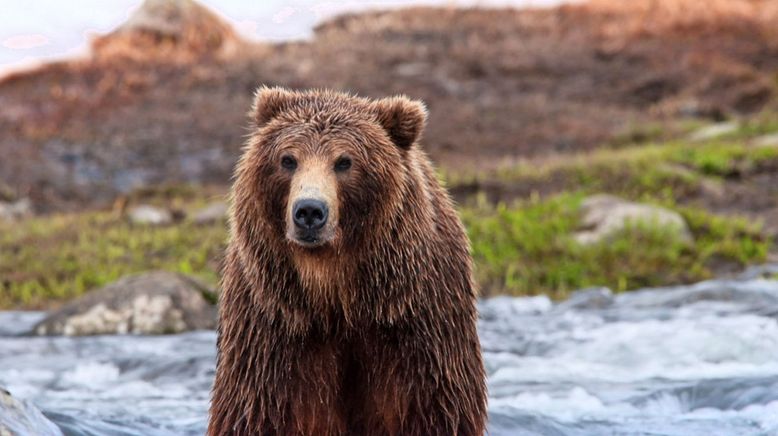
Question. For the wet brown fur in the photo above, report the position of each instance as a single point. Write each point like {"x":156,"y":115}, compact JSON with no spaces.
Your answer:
{"x":373,"y":333}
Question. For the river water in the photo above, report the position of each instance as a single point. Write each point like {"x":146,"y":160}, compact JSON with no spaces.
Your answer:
{"x":696,"y":360}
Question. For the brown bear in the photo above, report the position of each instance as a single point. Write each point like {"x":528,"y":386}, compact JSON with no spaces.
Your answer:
{"x":347,"y":305}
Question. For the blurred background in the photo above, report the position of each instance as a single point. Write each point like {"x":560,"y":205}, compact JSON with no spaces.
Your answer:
{"x":594,"y":148}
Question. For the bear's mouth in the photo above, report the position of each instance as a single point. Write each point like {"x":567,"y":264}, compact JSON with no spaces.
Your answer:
{"x":309,"y":239}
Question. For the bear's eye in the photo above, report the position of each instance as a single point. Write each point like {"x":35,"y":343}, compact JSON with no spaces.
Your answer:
{"x":289,"y":162}
{"x":343,"y":164}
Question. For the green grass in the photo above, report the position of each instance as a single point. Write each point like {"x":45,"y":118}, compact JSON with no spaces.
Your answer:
{"x":638,"y":170}
{"x":762,"y":124}
{"x":48,"y":260}
{"x":529,"y":248}
{"x":523,"y":247}
{"x":723,"y":159}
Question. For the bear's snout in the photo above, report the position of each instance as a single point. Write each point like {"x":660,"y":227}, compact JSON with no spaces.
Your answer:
{"x":312,"y":204}
{"x":309,"y":214}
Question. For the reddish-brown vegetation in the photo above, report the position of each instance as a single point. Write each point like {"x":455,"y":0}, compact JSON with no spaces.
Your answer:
{"x":154,"y":106}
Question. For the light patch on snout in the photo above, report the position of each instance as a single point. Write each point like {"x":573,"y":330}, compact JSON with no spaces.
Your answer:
{"x":314,"y":180}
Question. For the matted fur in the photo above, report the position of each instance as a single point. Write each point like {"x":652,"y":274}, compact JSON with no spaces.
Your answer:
{"x":371,"y":334}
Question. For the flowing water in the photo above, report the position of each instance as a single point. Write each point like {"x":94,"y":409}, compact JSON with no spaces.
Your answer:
{"x":697,"y":360}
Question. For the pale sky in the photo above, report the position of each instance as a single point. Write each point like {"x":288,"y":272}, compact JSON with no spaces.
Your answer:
{"x":36,"y":30}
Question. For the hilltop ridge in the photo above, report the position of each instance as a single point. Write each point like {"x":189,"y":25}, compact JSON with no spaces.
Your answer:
{"x":173,"y":28}
{"x":163,"y":98}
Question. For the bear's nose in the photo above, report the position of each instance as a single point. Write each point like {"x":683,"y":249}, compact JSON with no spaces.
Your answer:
{"x":309,"y":214}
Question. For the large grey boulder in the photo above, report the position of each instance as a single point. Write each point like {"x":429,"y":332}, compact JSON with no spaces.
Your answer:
{"x":23,"y":418}
{"x":606,"y":215}
{"x":152,"y":303}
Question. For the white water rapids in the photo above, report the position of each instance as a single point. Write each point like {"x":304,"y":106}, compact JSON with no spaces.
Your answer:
{"x":696,"y":360}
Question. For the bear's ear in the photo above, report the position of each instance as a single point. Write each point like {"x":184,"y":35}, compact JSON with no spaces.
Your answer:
{"x":268,"y":103}
{"x":402,"y":118}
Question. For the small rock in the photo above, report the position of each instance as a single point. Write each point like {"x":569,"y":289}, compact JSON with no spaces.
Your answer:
{"x":690,"y":108}
{"x":12,"y":211}
{"x":411,"y":69}
{"x":507,"y":307}
{"x":152,"y":303}
{"x":23,"y":418}
{"x":146,"y":214}
{"x":723,"y":267}
{"x":713,"y":188}
{"x":6,"y":193}
{"x":714,"y":131}
{"x":769,"y":140}
{"x":677,"y":170}
{"x":709,"y":186}
{"x":212,"y":213}
{"x":605,"y":215}
{"x":589,"y":298}
{"x":767,"y":271}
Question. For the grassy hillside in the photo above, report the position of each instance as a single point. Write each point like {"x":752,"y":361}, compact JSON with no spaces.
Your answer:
{"x":530,"y":112}
{"x":520,"y":218}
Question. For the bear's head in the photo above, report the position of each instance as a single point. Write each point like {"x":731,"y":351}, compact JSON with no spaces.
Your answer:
{"x":323,"y":170}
